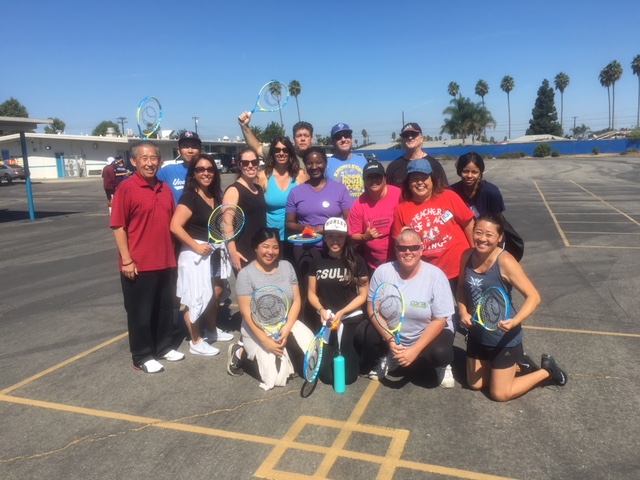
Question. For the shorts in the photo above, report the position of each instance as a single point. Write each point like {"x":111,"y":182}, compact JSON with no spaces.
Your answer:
{"x":499,"y":357}
{"x":110,"y":192}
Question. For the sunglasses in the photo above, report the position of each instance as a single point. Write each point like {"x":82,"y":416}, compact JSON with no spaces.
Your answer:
{"x":410,"y":248}
{"x":205,"y":169}
{"x":340,"y":136}
{"x":247,"y":163}
{"x":409,"y":135}
{"x":280,"y":150}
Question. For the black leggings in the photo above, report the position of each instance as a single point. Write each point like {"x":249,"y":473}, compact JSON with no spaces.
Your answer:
{"x":348,"y":350}
{"x":372,"y":346}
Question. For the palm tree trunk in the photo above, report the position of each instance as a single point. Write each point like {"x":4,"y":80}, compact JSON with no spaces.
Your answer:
{"x":609,"y":99}
{"x":509,"y":109}
{"x":298,"y":108}
{"x":613,"y":106}
{"x":561,"y":111}
{"x":638,"y":114}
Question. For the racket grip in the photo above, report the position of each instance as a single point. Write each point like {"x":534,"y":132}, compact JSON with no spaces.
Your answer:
{"x":199,"y":259}
{"x":339,"y":374}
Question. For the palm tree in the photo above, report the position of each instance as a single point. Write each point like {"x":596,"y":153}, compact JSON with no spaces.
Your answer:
{"x":365,"y":135}
{"x":453,"y":89}
{"x":605,"y":81}
{"x":635,"y":67}
{"x":615,"y":72}
{"x":506,"y":85}
{"x":482,"y":89}
{"x":275,"y":89}
{"x":257,"y":131}
{"x":294,"y":90}
{"x":561,"y":82}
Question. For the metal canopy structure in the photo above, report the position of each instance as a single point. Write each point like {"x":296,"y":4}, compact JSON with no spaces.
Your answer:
{"x":21,"y":125}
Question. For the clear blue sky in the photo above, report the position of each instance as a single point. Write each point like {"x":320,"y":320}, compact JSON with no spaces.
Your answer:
{"x":359,"y":62}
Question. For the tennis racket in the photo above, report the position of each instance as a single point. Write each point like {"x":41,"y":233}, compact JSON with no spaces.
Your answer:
{"x":269,"y":309}
{"x":389,"y":309}
{"x":313,"y":359}
{"x":225,"y":223}
{"x":149,"y":116}
{"x":493,"y":307}
{"x":273,"y":96}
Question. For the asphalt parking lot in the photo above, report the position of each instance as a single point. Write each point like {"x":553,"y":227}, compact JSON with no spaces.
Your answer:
{"x":72,"y":407}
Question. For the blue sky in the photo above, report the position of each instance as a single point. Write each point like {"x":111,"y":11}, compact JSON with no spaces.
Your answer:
{"x":359,"y":62}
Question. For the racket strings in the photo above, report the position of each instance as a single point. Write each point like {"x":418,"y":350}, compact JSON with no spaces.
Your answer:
{"x":270,"y":309}
{"x":494,"y":309}
{"x":312,"y":359}
{"x":226,"y":224}
{"x":273,"y":96}
{"x":390,"y":308}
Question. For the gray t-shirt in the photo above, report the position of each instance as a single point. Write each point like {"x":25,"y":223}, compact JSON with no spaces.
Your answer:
{"x":427,"y":296}
{"x":250,"y":279}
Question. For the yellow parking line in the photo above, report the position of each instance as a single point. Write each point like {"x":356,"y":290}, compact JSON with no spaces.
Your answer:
{"x":586,"y":332}
{"x":553,"y":217}
{"x":607,"y":203}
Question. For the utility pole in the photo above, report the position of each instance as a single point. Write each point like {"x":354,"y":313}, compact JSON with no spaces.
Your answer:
{"x":195,"y":120}
{"x":122,"y":121}
{"x":574,"y":126}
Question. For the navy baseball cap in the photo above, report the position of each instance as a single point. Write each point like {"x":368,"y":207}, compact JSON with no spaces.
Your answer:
{"x":411,"y":127}
{"x":340,"y":127}
{"x":188,"y":136}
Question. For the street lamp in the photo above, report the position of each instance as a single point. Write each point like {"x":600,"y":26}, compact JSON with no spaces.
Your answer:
{"x":195,"y":119}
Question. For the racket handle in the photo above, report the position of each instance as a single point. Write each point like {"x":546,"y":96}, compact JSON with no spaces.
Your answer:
{"x":339,"y":374}
{"x":199,"y":259}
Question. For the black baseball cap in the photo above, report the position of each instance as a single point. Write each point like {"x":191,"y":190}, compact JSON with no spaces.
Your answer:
{"x":373,"y":168}
{"x":411,"y":127}
{"x":189,"y":136}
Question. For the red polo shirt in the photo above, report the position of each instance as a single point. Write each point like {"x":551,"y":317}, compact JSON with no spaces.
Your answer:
{"x":145,"y":213}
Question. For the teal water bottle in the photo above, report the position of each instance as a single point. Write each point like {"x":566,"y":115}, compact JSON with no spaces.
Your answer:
{"x":339,"y":374}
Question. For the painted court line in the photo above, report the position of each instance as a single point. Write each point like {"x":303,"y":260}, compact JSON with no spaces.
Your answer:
{"x":583,"y":332}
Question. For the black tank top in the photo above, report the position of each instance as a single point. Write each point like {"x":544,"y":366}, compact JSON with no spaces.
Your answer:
{"x":255,"y":212}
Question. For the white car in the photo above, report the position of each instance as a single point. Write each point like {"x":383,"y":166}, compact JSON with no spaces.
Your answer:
{"x":179,"y":159}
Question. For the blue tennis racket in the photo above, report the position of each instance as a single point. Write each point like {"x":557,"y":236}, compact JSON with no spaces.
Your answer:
{"x":313,"y":358}
{"x":389,"y":309}
{"x":273,"y":96}
{"x":493,"y":307}
{"x":149,"y":117}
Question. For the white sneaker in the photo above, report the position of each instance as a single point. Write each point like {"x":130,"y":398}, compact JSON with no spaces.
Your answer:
{"x":446,"y":377}
{"x":380,"y":370}
{"x":150,"y":366}
{"x":173,"y":356}
{"x":217,"y":336}
{"x":203,"y":348}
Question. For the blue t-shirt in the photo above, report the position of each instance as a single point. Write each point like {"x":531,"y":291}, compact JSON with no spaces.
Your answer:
{"x":276,"y":204}
{"x":175,"y":176}
{"x":348,"y":172}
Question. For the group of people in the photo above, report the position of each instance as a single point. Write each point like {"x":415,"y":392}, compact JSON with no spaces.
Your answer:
{"x":440,"y":244}
{"x":112,"y":176}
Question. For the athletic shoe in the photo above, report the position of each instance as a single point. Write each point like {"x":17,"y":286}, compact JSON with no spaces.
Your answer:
{"x":380,"y":370}
{"x":234,"y":364}
{"x":445,"y":377}
{"x":558,"y":375}
{"x":527,"y":365}
{"x":203,"y":348}
{"x":217,"y":336}
{"x":173,"y":356}
{"x":150,"y":366}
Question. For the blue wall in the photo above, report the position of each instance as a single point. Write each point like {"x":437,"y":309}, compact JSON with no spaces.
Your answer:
{"x":577,"y":147}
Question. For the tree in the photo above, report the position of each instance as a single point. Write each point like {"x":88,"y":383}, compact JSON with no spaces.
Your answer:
{"x":581,"y":132}
{"x":56,"y":127}
{"x":12,"y":108}
{"x":271,"y":131}
{"x":544,"y":115}
{"x":635,"y":67}
{"x":294,"y":90}
{"x":605,"y":81}
{"x":466,"y":118}
{"x":393,"y":136}
{"x":614,"y":73}
{"x":322,"y":140}
{"x":101,"y":129}
{"x":275,"y":89}
{"x":561,"y":82}
{"x":453,"y":89}
{"x":506,"y":85}
{"x":257,"y":131}
{"x":365,"y":136}
{"x":482,"y":89}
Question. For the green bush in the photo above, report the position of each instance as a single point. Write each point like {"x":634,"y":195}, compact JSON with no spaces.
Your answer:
{"x":596,"y":151}
{"x":555,"y":153}
{"x":489,"y":156}
{"x":512,"y":155}
{"x":542,"y":150}
{"x":630,"y":151}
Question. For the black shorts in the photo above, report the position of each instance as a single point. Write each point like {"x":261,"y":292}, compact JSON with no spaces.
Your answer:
{"x":499,"y":357}
{"x":110,"y":192}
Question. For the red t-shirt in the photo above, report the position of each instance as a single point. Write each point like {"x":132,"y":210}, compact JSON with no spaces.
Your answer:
{"x":440,"y":221}
{"x":145,"y":213}
{"x":379,"y":215}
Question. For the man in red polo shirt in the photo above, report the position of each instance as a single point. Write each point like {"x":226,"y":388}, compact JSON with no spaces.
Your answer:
{"x":142,"y":211}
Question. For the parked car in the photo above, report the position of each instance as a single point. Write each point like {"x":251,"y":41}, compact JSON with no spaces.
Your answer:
{"x":9,"y":173}
{"x":216,"y":158}
{"x":371,"y":157}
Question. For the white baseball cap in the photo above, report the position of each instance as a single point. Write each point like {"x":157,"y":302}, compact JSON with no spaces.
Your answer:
{"x":110,"y":160}
{"x":335,"y":224}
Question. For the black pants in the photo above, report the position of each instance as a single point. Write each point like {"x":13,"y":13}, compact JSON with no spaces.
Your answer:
{"x":372,"y":346}
{"x":348,"y":350}
{"x":148,"y":300}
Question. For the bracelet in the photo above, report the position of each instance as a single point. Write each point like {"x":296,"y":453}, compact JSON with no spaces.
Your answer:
{"x":127,"y":264}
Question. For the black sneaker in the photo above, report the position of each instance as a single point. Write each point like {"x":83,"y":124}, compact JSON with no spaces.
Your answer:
{"x":234,"y":364}
{"x":558,"y":375}
{"x":527,"y":365}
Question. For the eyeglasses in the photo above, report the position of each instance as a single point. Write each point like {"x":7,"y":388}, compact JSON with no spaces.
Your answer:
{"x":421,"y":179}
{"x":247,"y":163}
{"x":205,"y":169}
{"x":340,"y":136}
{"x":280,"y":150}
{"x":410,"y":248}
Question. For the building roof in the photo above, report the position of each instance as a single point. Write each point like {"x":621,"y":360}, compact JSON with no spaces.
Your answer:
{"x":21,"y":124}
